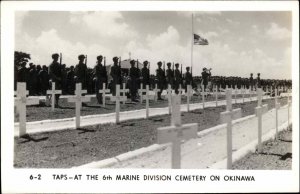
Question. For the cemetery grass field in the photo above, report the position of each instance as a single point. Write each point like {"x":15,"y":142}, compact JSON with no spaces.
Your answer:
{"x":67,"y":110}
{"x":276,"y":155}
{"x":68,"y":148}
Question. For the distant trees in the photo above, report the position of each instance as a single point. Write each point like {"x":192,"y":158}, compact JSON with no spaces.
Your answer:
{"x":21,"y":57}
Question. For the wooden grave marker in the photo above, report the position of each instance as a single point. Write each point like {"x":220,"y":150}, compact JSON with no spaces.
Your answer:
{"x":21,"y":101}
{"x":176,"y":132}
{"x":156,"y":90}
{"x":123,"y":91}
{"x":169,"y":96}
{"x":227,"y":117}
{"x":277,"y":107}
{"x":216,"y":94}
{"x":141,"y":91}
{"x":188,"y":96}
{"x":259,"y":111}
{"x":52,"y":92}
{"x":117,"y":99}
{"x":103,"y":92}
{"x":78,"y":99}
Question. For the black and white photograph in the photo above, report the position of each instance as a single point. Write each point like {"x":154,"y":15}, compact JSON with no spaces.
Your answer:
{"x":152,"y":89}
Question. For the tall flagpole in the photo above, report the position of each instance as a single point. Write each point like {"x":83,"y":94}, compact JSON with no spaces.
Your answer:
{"x":192,"y":44}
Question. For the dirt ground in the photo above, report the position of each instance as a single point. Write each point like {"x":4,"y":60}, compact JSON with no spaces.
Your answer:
{"x":67,"y":110}
{"x":68,"y":148}
{"x":276,"y":155}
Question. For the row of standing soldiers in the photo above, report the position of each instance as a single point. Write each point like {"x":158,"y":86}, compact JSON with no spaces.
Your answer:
{"x":38,"y":80}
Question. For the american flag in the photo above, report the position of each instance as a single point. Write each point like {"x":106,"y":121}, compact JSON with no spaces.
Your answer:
{"x":198,"y":40}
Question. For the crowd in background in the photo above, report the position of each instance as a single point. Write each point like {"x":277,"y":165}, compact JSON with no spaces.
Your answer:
{"x":38,"y":78}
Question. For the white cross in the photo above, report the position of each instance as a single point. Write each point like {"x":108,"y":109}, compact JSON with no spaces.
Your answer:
{"x":123,"y":91}
{"x":141,"y":90}
{"x":103,"y":92}
{"x":188,"y":96}
{"x":203,"y":96}
{"x":271,"y":91}
{"x":53,"y":92}
{"x":176,"y":132}
{"x":20,"y":102}
{"x":243,"y":93}
{"x":259,"y":111}
{"x":227,"y":117}
{"x":155,"y":92}
{"x":267,"y":91}
{"x":169,"y":94}
{"x":250,"y":94}
{"x":216,"y":94}
{"x":277,"y":107}
{"x":146,"y":97}
{"x":78,"y":99}
{"x":180,"y":90}
{"x":15,"y":94}
{"x":235,"y":93}
{"x":117,"y":99}
{"x":289,"y":106}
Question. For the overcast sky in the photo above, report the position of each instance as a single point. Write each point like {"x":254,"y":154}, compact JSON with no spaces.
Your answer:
{"x":239,"y":42}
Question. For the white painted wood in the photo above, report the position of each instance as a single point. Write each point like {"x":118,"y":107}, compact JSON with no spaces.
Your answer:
{"x":277,"y":107}
{"x":123,"y":91}
{"x":180,"y":90}
{"x":289,"y":102}
{"x":117,"y":99}
{"x":235,"y":93}
{"x":52,"y":92}
{"x":216,"y":94}
{"x":156,"y":90}
{"x":259,"y":111}
{"x":227,"y":117}
{"x":176,"y":132}
{"x":169,"y":94}
{"x":243,"y":94}
{"x":203,"y":96}
{"x":20,"y":102}
{"x":103,"y":92}
{"x":147,"y":101}
{"x":78,"y":99}
{"x":188,"y":96}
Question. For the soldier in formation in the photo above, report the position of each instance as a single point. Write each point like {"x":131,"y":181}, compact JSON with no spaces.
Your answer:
{"x":160,"y":76}
{"x":134,"y":77}
{"x":100,"y":77}
{"x":55,"y":75}
{"x":81,"y":72}
{"x":115,"y":73}
{"x":177,"y":78}
{"x":38,"y":79}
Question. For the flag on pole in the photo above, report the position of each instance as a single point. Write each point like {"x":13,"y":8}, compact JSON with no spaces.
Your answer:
{"x":198,"y":40}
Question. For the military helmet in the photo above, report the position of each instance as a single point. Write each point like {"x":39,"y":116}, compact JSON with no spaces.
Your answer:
{"x":55,"y":55}
{"x":132,"y":62}
{"x":81,"y":56}
{"x":99,"y":57}
{"x":187,"y":68}
{"x":145,"y":62}
{"x":168,"y":64}
{"x":159,"y":63}
{"x":176,"y":64}
{"x":115,"y":59}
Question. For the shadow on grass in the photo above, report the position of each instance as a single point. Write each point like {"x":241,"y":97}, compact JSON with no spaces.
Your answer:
{"x":282,"y":157}
{"x":84,"y":130}
{"x":28,"y":138}
{"x":284,"y":140}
